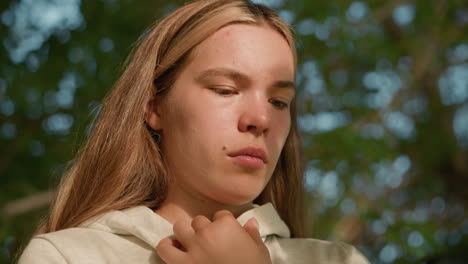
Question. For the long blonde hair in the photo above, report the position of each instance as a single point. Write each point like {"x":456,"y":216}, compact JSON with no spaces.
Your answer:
{"x":120,"y":164}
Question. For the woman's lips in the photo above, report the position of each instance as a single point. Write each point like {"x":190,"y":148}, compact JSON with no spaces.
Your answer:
{"x":251,"y":152}
{"x":248,"y":161}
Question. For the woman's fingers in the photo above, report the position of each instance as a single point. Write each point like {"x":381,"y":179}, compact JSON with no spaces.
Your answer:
{"x":216,"y":241}
{"x":220,"y":214}
{"x":199,"y":222}
{"x":168,"y":252}
{"x":184,"y":232}
{"x":252,"y":228}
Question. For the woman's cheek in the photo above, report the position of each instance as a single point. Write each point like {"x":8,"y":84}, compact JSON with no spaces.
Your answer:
{"x":284,"y":129}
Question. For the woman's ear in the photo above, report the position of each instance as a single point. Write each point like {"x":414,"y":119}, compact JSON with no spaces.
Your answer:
{"x":152,"y":113}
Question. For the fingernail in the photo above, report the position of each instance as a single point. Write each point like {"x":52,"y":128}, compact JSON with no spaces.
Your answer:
{"x":255,"y":222}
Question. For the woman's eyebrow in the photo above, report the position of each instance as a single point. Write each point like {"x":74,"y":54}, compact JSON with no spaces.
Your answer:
{"x":223,"y":72}
{"x":239,"y":77}
{"x":285,"y":84}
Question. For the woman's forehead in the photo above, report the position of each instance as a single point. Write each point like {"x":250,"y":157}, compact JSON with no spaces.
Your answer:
{"x":249,"y":48}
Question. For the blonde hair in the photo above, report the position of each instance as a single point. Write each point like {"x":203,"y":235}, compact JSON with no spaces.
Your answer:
{"x":120,"y":164}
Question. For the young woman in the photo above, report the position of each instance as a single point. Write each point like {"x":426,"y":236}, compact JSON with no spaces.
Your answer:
{"x":195,"y":156}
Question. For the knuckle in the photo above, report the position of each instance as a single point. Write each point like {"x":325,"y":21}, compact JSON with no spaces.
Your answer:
{"x":180,"y":226}
{"x":224,"y":212}
{"x":177,"y":225}
{"x":199,"y":218}
{"x":161,"y":249}
{"x":205,"y":233}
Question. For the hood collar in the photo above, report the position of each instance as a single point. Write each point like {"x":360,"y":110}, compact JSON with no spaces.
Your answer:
{"x":142,"y":222}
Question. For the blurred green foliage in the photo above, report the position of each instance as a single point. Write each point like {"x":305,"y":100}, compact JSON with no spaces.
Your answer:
{"x":383,"y":98}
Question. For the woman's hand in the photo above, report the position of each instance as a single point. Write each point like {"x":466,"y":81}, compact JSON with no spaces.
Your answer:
{"x":222,"y":241}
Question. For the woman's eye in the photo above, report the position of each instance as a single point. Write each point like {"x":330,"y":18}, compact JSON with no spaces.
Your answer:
{"x":222,"y":91}
{"x":279,"y":104}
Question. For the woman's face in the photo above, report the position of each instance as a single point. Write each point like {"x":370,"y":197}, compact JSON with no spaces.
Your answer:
{"x":233,"y":93}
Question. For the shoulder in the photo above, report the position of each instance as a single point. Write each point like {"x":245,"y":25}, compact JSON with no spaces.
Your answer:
{"x":40,"y":250}
{"x":75,"y":236}
{"x":305,"y":250}
{"x":83,"y":245}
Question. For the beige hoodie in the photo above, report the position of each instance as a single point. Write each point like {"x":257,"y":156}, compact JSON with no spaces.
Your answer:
{"x":130,"y":236}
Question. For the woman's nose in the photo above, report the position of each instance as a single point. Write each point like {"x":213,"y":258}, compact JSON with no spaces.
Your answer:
{"x":254,"y":118}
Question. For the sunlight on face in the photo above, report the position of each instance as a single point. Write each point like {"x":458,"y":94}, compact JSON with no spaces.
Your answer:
{"x":234,"y":92}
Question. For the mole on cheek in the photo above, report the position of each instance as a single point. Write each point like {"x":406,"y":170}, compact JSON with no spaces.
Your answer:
{"x":224,"y":147}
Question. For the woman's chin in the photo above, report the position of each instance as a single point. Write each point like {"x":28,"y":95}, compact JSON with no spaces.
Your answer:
{"x":237,"y":197}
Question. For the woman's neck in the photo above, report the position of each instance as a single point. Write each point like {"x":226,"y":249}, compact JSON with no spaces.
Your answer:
{"x":186,"y":207}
